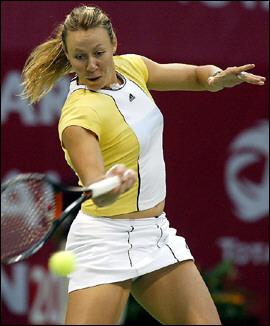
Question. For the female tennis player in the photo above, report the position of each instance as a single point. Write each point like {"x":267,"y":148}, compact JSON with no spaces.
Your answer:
{"x":110,"y":125}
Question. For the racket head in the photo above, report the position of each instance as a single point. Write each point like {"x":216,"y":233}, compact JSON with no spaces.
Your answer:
{"x":31,"y":210}
{"x":30,"y":204}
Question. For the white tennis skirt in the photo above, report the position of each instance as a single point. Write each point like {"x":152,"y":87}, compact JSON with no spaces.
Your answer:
{"x":110,"y":250}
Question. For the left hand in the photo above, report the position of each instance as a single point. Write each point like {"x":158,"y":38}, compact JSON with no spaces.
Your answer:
{"x":233,"y":76}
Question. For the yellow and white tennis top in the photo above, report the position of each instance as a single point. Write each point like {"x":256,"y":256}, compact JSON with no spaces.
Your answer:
{"x":129,"y":127}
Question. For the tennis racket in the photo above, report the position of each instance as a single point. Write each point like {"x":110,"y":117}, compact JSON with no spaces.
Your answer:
{"x":32,"y":210}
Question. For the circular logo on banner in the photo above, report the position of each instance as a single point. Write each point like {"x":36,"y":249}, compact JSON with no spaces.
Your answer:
{"x":247,"y":173}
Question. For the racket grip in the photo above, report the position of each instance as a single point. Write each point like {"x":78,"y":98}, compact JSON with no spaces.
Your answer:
{"x":104,"y":186}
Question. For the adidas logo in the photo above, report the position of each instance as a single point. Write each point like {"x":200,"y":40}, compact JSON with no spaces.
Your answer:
{"x":131,"y":97}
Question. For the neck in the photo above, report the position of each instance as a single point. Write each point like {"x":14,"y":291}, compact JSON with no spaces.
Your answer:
{"x":119,"y":82}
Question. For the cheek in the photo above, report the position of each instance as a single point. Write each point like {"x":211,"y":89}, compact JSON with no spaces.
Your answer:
{"x":108,"y":64}
{"x":76,"y":66}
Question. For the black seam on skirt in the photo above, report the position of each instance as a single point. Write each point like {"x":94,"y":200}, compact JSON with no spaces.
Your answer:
{"x":130,"y":261}
{"x":161,"y":234}
{"x":172,"y":253}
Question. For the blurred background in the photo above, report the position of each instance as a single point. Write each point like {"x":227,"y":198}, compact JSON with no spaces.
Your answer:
{"x":216,"y":147}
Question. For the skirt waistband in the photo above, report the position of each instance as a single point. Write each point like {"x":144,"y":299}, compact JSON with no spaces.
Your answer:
{"x":132,"y":221}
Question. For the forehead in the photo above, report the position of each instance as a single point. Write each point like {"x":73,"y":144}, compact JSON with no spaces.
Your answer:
{"x":90,"y":38}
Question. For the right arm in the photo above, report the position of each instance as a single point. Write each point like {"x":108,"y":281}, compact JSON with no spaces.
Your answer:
{"x":85,"y":154}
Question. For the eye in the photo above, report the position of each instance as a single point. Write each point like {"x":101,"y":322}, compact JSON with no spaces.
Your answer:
{"x":99,"y":53}
{"x":80,"y":57}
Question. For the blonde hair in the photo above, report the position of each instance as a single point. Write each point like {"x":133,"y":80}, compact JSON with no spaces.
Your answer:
{"x":48,"y":62}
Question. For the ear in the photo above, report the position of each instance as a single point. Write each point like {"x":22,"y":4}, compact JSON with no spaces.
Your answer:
{"x":115,"y":45}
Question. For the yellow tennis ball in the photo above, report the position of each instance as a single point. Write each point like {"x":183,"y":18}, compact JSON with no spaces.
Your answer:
{"x":62,"y":263}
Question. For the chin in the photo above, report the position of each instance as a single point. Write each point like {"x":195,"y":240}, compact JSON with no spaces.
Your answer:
{"x":95,"y":86}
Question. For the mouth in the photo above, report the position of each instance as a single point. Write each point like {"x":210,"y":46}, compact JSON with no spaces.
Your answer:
{"x":93,"y":79}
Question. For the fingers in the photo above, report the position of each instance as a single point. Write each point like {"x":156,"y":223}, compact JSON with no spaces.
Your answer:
{"x":248,"y":77}
{"x":238,"y":70}
{"x":233,"y":76}
{"x":251,"y":79}
{"x":128,"y":177}
{"x":245,"y":67}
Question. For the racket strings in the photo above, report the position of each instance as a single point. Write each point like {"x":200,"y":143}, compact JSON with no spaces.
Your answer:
{"x":27,"y":212}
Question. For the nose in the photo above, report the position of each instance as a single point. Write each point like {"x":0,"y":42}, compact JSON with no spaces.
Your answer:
{"x":91,"y":65}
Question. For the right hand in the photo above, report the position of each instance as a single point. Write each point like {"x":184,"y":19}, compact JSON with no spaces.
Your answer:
{"x":127,"y":176}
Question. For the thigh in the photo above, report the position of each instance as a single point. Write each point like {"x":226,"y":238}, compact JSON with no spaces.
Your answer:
{"x":97,"y":305}
{"x":176,"y":295}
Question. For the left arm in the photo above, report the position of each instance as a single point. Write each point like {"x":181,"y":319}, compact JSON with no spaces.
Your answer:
{"x":177,"y":76}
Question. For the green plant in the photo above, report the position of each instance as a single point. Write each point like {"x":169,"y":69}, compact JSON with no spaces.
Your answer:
{"x":231,"y":302}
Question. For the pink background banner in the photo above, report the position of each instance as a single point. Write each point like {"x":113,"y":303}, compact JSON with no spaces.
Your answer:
{"x":216,"y":145}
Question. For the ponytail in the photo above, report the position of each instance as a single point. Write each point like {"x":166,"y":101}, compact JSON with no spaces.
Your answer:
{"x":45,"y":65}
